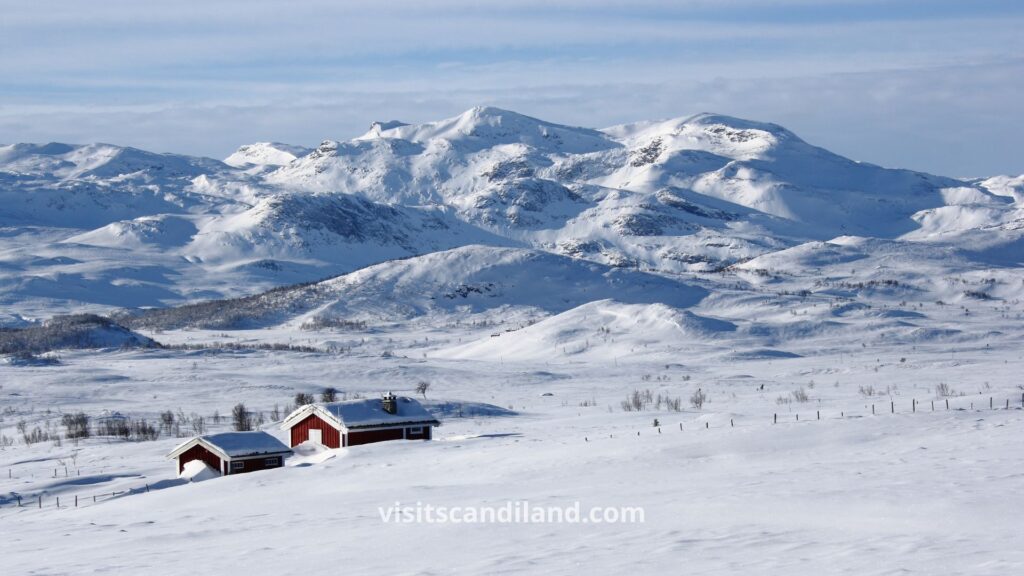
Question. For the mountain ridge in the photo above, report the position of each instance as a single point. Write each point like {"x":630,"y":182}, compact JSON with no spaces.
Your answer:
{"x":693,"y":194}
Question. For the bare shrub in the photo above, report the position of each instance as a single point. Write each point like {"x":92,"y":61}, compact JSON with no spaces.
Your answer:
{"x":698,"y":398}
{"x":198,"y":425}
{"x":674,"y":404}
{"x":800,"y":395}
{"x":167,"y":421}
{"x":142,"y":430}
{"x":240,"y":418}
{"x":637,"y":401}
{"x":75,"y":425}
{"x":330,"y":394}
{"x":421,"y":387}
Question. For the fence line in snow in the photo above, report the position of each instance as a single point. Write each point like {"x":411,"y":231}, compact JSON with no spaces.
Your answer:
{"x":914,"y":404}
{"x":39,"y":501}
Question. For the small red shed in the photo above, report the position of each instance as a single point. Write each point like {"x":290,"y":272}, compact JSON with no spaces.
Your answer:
{"x":232,"y":452}
{"x":354,"y":422}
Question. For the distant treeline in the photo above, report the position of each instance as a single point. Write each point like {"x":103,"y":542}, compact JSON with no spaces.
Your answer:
{"x":232,"y":313}
{"x":77,"y":331}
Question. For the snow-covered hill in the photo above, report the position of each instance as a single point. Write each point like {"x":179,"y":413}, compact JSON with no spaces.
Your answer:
{"x":692,"y":194}
{"x":467,"y":281}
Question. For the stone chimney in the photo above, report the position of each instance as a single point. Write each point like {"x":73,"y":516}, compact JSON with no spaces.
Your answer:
{"x":390,"y":403}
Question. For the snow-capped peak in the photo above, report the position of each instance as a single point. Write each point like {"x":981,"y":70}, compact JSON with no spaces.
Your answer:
{"x":72,"y":161}
{"x":485,"y":126}
{"x":715,"y":133}
{"x":378,"y":129}
{"x":265,"y":154}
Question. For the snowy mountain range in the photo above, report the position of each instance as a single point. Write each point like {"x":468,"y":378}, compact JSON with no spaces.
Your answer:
{"x":98,"y":226}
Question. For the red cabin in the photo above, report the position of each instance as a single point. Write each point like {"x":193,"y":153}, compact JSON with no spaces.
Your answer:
{"x":354,"y":422}
{"x":232,"y":452}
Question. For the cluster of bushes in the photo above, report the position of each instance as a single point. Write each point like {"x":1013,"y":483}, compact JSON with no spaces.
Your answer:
{"x":799,"y":395}
{"x":136,"y":430}
{"x":327,"y":322}
{"x":640,"y":400}
{"x":275,"y":346}
{"x":74,"y":331}
{"x":231,"y":313}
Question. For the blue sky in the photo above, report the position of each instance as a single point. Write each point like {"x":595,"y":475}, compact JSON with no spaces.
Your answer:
{"x":932,"y":85}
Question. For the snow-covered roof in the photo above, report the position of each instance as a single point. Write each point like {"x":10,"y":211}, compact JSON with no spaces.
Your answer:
{"x":366,"y":413}
{"x":235,"y":444}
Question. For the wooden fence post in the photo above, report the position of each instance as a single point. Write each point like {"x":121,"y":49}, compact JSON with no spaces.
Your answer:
{"x":731,"y":423}
{"x":775,"y":418}
{"x":892,"y":406}
{"x":40,"y":500}
{"x":947,"y":403}
{"x":58,"y":501}
{"x":797,"y":416}
{"x":680,"y":426}
{"x":933,"y":405}
{"x":913,"y":405}
{"x":1007,"y":403}
{"x":872,"y":409}
{"x":819,"y":414}
{"x":707,"y":425}
{"x":19,"y":501}
{"x":76,"y":500}
{"x":990,"y":404}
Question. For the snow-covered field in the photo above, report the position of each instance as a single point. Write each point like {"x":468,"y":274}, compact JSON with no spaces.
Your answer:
{"x":791,"y":362}
{"x":929,"y":492}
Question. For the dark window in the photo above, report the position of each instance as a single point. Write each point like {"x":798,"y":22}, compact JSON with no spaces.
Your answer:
{"x":416,"y":430}
{"x":272,"y":462}
{"x":238,"y":465}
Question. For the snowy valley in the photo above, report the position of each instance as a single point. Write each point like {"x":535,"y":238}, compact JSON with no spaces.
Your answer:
{"x":792,"y":361}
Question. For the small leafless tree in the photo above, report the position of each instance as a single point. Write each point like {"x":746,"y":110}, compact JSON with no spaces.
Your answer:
{"x":198,"y":425}
{"x":330,"y":394}
{"x":75,"y":425}
{"x":698,"y":399}
{"x":240,"y":418}
{"x":421,"y":388}
{"x":302,"y":398}
{"x":167,"y":421}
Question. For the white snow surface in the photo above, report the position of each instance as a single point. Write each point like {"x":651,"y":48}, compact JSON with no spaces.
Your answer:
{"x":238,"y":444}
{"x":369,"y":412}
{"x":197,"y":471}
{"x":264,"y":154}
{"x":792,"y":362}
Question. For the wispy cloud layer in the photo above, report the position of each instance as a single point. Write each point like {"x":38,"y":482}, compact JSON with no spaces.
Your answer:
{"x":931,"y":85}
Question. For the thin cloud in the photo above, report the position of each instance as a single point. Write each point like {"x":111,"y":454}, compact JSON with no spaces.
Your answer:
{"x":234,"y":72}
